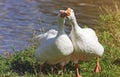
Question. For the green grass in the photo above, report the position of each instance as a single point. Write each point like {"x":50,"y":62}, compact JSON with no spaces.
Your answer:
{"x":24,"y":64}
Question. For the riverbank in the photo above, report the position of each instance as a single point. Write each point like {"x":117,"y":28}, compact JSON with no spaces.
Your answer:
{"x":23,"y":63}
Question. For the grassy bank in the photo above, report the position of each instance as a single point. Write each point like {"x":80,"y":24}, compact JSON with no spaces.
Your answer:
{"x":23,"y":63}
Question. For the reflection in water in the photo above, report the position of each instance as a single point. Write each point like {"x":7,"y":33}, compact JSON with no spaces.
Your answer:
{"x":18,"y":18}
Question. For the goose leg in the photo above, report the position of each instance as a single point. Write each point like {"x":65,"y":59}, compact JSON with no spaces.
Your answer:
{"x":52,"y":70}
{"x":61,"y":70}
{"x":40,"y":69}
{"x":97,"y":67}
{"x":77,"y":70}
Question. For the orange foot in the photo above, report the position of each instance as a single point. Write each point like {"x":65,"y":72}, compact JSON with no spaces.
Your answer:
{"x":97,"y":68}
{"x":78,"y":76}
{"x":77,"y":71}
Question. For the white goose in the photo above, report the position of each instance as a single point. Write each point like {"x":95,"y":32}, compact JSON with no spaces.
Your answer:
{"x":85,"y":42}
{"x":55,"y":47}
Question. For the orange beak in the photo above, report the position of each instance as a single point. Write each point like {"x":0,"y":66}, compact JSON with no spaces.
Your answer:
{"x":68,"y":11}
{"x":65,"y":12}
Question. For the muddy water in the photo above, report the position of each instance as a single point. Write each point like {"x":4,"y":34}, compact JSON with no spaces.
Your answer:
{"x":19,"y":18}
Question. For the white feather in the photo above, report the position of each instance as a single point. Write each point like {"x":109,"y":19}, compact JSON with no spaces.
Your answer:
{"x":55,"y":46}
{"x":84,"y":40}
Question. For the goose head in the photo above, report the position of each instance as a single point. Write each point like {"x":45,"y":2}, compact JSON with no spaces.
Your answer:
{"x":62,"y":13}
{"x":71,"y":16}
{"x":61,"y":17}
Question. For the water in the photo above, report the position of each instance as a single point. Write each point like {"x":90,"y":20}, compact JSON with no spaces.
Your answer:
{"x":19,"y":18}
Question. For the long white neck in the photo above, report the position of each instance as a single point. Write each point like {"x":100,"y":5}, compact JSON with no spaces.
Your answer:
{"x":61,"y":22}
{"x":74,"y":23}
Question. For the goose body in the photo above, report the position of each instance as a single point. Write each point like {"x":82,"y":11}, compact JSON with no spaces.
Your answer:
{"x":53,"y":51}
{"x":54,"y":47}
{"x":85,"y":42}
